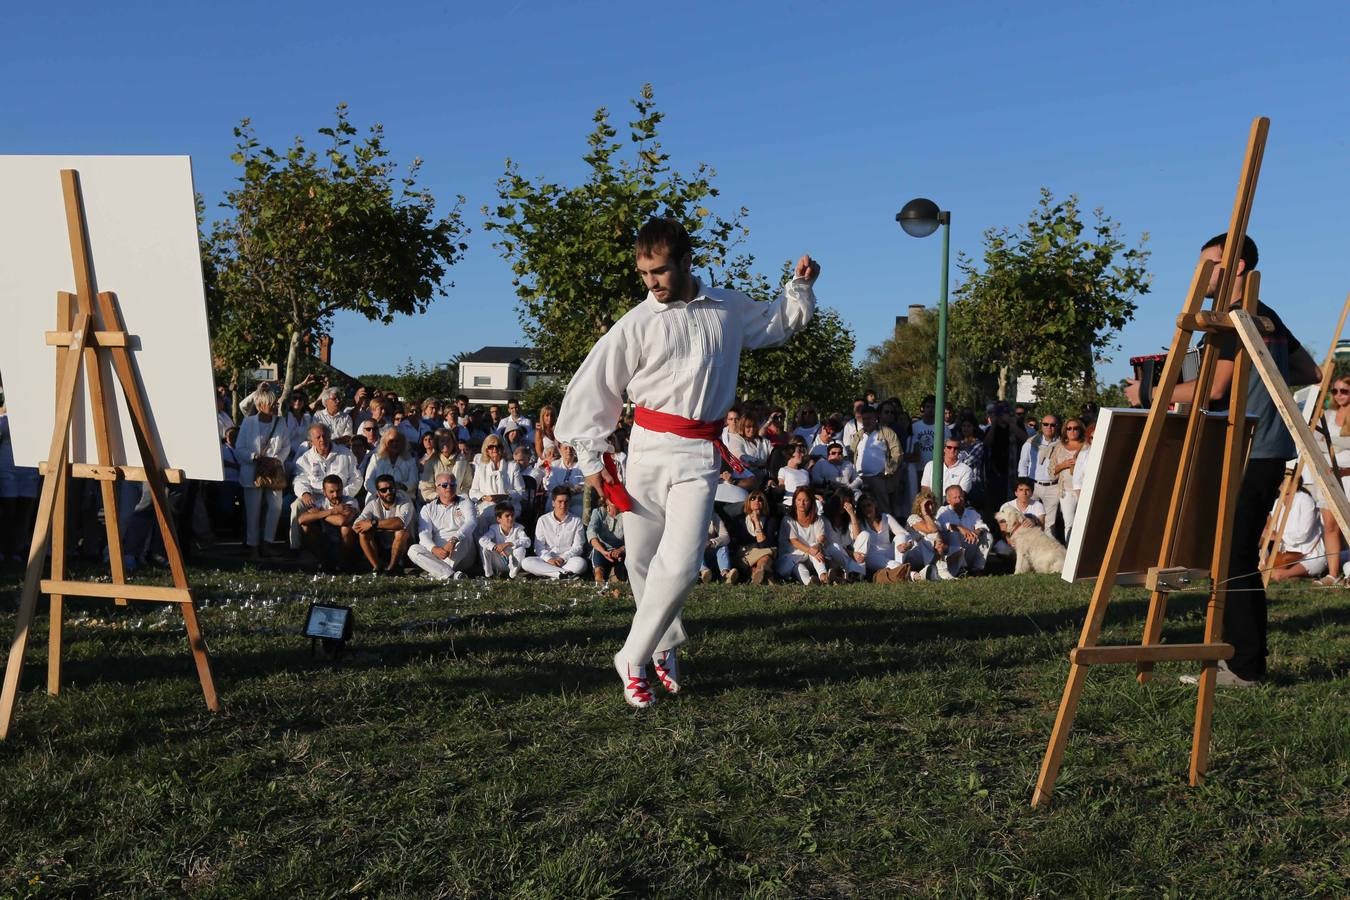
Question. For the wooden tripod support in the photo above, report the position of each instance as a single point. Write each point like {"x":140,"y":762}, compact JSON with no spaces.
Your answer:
{"x":90,"y":335}
{"x":1149,"y":651}
{"x":1279,"y":517}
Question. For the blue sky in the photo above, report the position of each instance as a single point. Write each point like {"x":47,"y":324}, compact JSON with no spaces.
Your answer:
{"x":822,"y":121}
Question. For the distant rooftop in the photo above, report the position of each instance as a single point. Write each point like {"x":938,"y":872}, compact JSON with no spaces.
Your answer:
{"x":521,"y":355}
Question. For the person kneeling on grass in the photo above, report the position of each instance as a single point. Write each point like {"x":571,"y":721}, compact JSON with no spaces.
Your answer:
{"x":444,"y":547}
{"x":326,"y":526}
{"x":557,"y":541}
{"x":605,"y":533}
{"x":505,"y":544}
{"x":385,"y":526}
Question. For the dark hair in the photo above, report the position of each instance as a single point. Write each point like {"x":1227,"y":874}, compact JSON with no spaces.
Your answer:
{"x":867,"y":408}
{"x":384,"y":478}
{"x":1027,"y":482}
{"x":503,"y":507}
{"x":333,"y":479}
{"x":663,"y":234}
{"x":927,"y":399}
{"x":834,"y":445}
{"x":1249,"y":254}
{"x":559,"y":491}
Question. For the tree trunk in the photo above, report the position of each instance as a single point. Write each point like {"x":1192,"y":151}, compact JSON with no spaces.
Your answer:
{"x":1002,"y":383}
{"x":288,"y":380}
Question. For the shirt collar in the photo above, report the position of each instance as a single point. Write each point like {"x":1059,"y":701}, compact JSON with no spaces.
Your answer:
{"x":700,"y":293}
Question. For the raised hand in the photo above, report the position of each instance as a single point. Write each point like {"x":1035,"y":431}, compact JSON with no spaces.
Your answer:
{"x":808,"y":269}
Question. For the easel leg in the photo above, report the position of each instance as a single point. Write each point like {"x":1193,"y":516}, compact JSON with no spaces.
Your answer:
{"x":1059,"y":736}
{"x":55,"y":617}
{"x":200,"y":656}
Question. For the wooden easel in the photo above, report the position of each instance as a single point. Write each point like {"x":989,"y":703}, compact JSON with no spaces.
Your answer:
{"x":90,"y":334}
{"x":1212,"y":649}
{"x":1279,"y":518}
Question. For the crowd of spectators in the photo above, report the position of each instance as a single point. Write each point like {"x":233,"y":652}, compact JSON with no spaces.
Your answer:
{"x":368,"y":481}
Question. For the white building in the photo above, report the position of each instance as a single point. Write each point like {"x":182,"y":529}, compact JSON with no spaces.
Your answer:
{"x":498,"y":374}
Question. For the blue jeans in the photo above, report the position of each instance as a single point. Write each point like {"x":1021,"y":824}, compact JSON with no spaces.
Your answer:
{"x":719,"y":559}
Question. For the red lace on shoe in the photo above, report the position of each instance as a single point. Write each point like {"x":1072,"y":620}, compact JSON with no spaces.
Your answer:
{"x":663,"y":673}
{"x":639,"y":689}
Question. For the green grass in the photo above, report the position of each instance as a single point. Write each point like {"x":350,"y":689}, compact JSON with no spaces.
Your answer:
{"x":852,"y":741}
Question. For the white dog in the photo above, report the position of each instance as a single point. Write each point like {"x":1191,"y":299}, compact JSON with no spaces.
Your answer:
{"x":1036,"y":550}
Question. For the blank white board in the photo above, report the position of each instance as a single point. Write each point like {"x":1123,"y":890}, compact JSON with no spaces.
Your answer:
{"x":142,"y":225}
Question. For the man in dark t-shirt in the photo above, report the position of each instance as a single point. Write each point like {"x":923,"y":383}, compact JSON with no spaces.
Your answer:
{"x":1244,"y":622}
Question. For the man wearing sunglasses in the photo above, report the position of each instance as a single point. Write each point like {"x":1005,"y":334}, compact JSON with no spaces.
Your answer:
{"x":1244,"y":619}
{"x":446,"y":527}
{"x":385,"y":526}
{"x":1034,"y":463}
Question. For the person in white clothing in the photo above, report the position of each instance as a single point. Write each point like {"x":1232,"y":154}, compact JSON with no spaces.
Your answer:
{"x":262,"y":435}
{"x":967,"y":530}
{"x":558,"y":541}
{"x":505,"y":545}
{"x":565,"y":474}
{"x":953,"y":470}
{"x":1024,"y":502}
{"x":1035,"y":463}
{"x":1301,"y":553}
{"x":326,"y":526}
{"x":392,"y":459}
{"x":874,"y":537}
{"x":224,"y":421}
{"x":495,"y":478}
{"x":833,"y":470}
{"x":339,"y":423}
{"x":944,"y":555}
{"x":323,"y":458}
{"x":677,"y":356}
{"x":794,"y":475}
{"x":445,"y":533}
{"x":804,"y":548}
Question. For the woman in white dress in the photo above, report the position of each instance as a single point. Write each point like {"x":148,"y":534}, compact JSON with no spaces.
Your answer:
{"x":495,"y":479}
{"x":803,"y":547}
{"x":874,"y":537}
{"x":262,"y":434}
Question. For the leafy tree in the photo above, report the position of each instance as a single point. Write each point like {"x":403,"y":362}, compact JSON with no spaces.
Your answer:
{"x":905,"y":366}
{"x":1049,"y":299}
{"x":417,"y":381}
{"x":571,"y":248}
{"x":545,"y":392}
{"x":1069,"y":396}
{"x":311,"y":233}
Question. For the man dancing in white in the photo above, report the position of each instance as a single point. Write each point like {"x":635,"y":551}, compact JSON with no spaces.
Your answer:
{"x":676,"y":355}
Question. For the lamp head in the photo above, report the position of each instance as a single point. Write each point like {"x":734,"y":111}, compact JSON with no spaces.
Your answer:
{"x":919,"y":217}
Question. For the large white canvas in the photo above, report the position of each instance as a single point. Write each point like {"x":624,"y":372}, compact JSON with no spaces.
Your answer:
{"x":143,"y":236}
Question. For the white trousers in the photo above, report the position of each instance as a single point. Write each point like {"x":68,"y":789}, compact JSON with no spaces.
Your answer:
{"x":834,"y":556}
{"x":536,"y":565}
{"x":973,"y":555}
{"x":495,"y":564}
{"x":1069,"y":506}
{"x":1048,"y":494}
{"x":672,"y":482}
{"x":297,"y":507}
{"x":253,"y":501}
{"x":428,"y":562}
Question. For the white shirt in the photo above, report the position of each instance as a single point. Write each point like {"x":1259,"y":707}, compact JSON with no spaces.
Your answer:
{"x":489,"y":480}
{"x":677,"y":358}
{"x":1303,"y":528}
{"x":1080,"y":467}
{"x":223,"y":423}
{"x":969,"y":519}
{"x":792,"y":479}
{"x":439,"y":522}
{"x":958,"y":474}
{"x":807,"y":433}
{"x":871,"y":457}
{"x":921,"y":440}
{"x":1034,"y":461}
{"x":311,"y":469}
{"x":339,"y":424}
{"x":826,"y":472}
{"x":404,"y":471}
{"x":558,"y":539}
{"x":517,"y":538}
{"x":376,"y":510}
{"x":1035,"y":509}
{"x":257,"y":438}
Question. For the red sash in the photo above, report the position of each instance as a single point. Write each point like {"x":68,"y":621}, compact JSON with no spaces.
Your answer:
{"x":652,"y":420}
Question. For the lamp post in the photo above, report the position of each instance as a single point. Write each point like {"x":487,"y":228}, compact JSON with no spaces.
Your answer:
{"x":921,"y":217}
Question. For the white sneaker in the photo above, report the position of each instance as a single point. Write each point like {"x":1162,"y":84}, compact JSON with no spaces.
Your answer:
{"x":513,"y":568}
{"x":668,"y":670}
{"x":458,"y":576}
{"x":636,"y":691}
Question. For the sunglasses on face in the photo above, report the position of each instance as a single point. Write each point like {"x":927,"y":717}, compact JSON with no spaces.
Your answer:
{"x":384,"y":490}
{"x":1049,"y":425}
{"x":445,"y":484}
{"x":1074,"y":428}
{"x":1340,"y":390}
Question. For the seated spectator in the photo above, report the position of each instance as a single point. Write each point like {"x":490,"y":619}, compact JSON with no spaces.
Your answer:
{"x":1301,"y":553}
{"x":874,"y":537}
{"x":446,"y":458}
{"x":806,"y":425}
{"x":911,"y":546}
{"x":953,"y":470}
{"x":495,"y":479}
{"x":425,"y":454}
{"x":323,"y":458}
{"x":717,"y":554}
{"x":833,"y":471}
{"x":558,"y":541}
{"x":802,"y":545}
{"x":840,"y":513}
{"x":1026,"y":504}
{"x":794,"y":474}
{"x":827,"y":435}
{"x":385,"y":528}
{"x":946,"y":555}
{"x":605,"y":534}
{"x":566,"y":474}
{"x":298,"y":420}
{"x":753,"y":451}
{"x":339,"y":423}
{"x":360,"y":448}
{"x":445,"y":533}
{"x":326,"y":524}
{"x":754,"y":538}
{"x":505,"y":544}
{"x":731,"y":425}
{"x":967,"y":531}
{"x":392,"y":459}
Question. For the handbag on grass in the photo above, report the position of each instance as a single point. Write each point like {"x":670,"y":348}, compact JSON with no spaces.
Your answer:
{"x":268,"y":472}
{"x":1286,"y":558}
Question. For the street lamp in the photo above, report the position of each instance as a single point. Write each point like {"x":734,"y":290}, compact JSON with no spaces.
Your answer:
{"x":919,"y":218}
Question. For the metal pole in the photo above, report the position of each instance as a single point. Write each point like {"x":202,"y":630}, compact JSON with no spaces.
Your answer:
{"x":940,"y":393}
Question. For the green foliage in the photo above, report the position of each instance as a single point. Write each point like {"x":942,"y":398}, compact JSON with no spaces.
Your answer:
{"x":1049,"y":299}
{"x":311,"y":233}
{"x":571,"y":248}
{"x":905,"y":366}
{"x":546,"y":392}
{"x":415,"y":382}
{"x":814,"y":366}
{"x":1070,"y":396}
